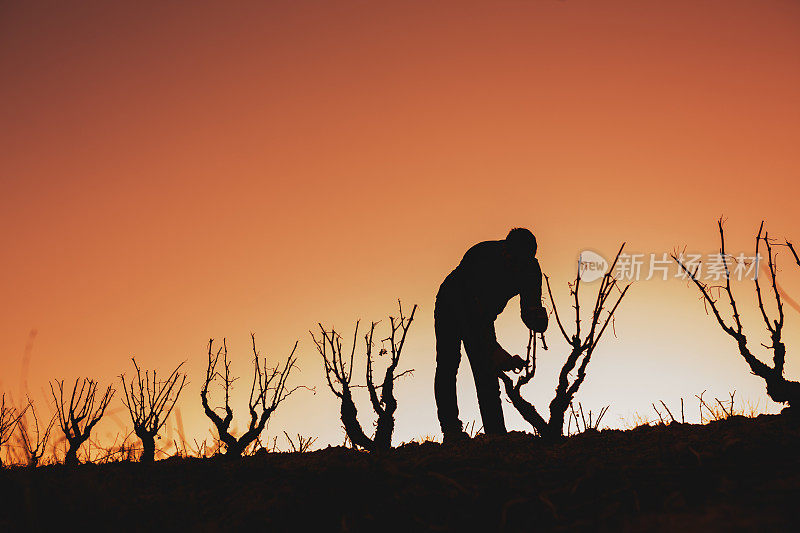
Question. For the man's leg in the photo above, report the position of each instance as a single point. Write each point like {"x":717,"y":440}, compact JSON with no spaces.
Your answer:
{"x":487,"y":384}
{"x":448,"y":357}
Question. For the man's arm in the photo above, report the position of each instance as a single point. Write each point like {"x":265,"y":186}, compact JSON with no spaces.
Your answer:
{"x":489,"y":339}
{"x":532,"y":312}
{"x":500,"y":358}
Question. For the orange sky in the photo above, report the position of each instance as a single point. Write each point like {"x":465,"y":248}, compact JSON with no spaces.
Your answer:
{"x":176,"y":172}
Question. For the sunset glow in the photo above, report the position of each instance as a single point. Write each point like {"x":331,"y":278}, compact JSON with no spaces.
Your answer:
{"x":188,"y":171}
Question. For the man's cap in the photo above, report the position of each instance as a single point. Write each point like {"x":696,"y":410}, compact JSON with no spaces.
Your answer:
{"x":521,"y":242}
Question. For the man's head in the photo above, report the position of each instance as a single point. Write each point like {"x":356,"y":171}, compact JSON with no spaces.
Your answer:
{"x":521,"y":245}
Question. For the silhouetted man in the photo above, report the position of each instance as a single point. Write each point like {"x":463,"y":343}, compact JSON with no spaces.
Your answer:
{"x":468,"y":302}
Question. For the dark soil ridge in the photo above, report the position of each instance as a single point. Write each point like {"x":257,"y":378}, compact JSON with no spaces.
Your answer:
{"x":735,"y":474}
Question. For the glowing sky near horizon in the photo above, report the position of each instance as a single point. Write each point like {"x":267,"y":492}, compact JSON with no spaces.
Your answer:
{"x":171,"y":172}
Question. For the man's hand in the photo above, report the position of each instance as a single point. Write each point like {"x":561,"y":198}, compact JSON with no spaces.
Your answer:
{"x":505,"y":362}
{"x":535,"y":318}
